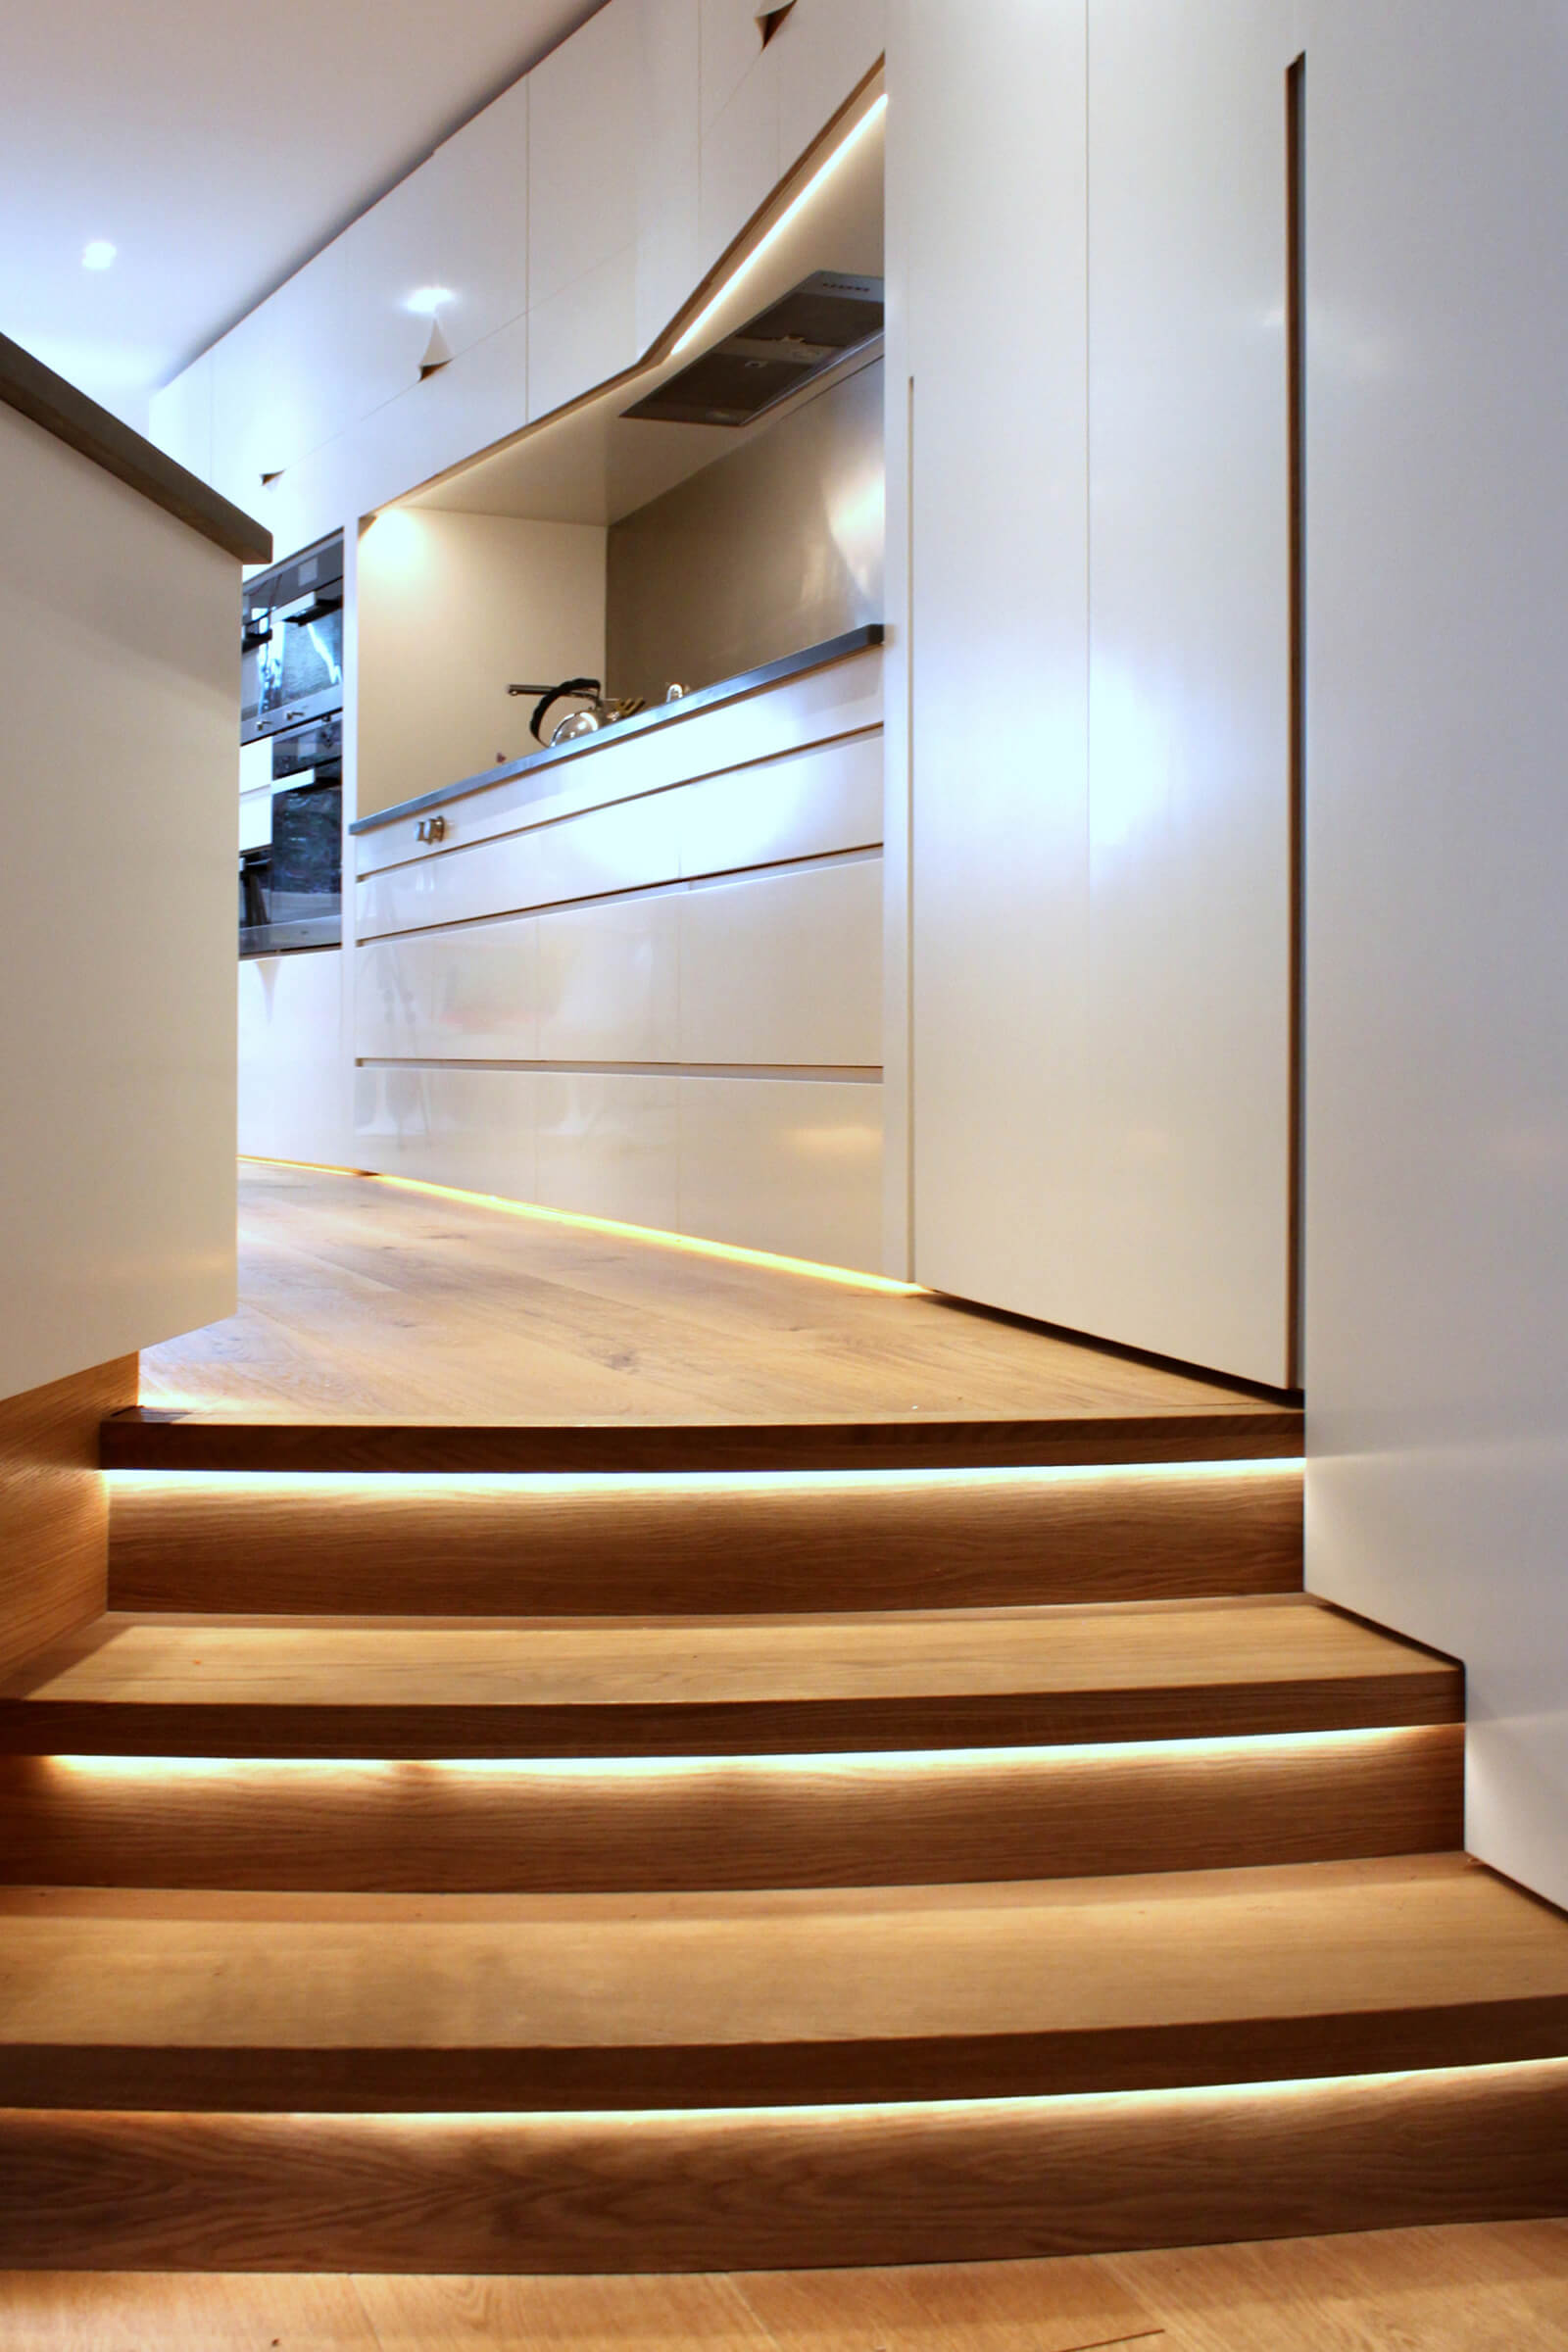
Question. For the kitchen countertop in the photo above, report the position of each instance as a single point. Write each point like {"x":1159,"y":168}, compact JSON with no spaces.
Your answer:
{"x":661,"y":714}
{"x":35,"y":392}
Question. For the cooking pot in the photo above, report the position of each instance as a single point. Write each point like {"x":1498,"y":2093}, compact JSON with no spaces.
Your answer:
{"x":600,"y":710}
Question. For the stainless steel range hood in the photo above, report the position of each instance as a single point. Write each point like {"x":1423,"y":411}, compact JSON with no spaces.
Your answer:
{"x":802,"y":336}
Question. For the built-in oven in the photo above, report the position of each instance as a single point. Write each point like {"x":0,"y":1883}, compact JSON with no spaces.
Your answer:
{"x":291,"y":642}
{"x":291,"y":868}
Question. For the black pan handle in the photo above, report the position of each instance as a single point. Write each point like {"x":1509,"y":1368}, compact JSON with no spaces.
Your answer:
{"x":564,"y":692}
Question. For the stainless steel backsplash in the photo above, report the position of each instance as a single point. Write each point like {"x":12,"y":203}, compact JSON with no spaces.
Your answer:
{"x":775,"y":547}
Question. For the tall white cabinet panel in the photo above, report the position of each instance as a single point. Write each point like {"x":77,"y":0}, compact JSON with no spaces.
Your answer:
{"x":582,"y":174}
{"x":825,"y":48}
{"x":987,"y":118}
{"x":1094,"y":524}
{"x":1188,"y":994}
{"x":1436,"y":1114}
{"x":670,"y":149}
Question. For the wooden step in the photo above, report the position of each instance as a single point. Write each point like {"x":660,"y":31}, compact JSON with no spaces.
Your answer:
{"x":768,"y":1821}
{"x":686,"y":1686}
{"x":617,"y":1546}
{"x":424,"y":2004}
{"x":781,"y":2188}
{"x":162,"y":1438}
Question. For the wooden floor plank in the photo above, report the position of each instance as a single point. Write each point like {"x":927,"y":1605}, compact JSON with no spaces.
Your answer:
{"x":792,"y":1685}
{"x":1487,"y":2290}
{"x":1453,"y":2289}
{"x":364,"y":1303}
{"x":695,"y":2314}
{"x":413,"y":2003}
{"x":87,"y":2310}
{"x":945,"y":2307}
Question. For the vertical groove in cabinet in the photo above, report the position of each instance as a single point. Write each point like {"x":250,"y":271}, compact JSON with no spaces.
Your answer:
{"x":1295,"y":444}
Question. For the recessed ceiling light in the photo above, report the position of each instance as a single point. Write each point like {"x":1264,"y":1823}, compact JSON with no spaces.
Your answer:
{"x":427,"y":300}
{"x":98,"y":254}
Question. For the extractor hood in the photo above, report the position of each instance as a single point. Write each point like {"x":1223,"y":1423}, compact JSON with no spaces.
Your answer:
{"x":803,"y":334}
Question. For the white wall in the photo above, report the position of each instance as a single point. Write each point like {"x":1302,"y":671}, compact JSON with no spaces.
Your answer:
{"x":119,"y":706}
{"x":451,"y":608}
{"x":1438,"y":867}
{"x":1092,"y":511}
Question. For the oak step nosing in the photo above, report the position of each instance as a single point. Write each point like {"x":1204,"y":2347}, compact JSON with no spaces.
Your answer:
{"x":1383,"y":1701}
{"x":150,"y":1439}
{"x":776,"y":2074}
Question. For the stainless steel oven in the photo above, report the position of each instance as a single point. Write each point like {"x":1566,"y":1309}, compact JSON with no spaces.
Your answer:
{"x":291,"y":642}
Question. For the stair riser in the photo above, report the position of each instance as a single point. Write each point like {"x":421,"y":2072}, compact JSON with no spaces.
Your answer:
{"x":778,"y":1822}
{"x":486,"y":1547}
{"x":779,"y":2190}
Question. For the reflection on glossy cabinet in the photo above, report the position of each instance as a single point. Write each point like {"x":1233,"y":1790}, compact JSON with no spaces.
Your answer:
{"x":608,"y":983}
{"x":607,"y":1145}
{"x":787,"y":1164}
{"x":784,"y":967}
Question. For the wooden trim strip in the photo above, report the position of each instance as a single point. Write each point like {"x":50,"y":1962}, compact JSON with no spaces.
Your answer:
{"x":35,"y":392}
{"x":146,"y":1438}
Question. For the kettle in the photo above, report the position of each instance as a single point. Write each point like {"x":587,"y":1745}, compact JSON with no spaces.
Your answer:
{"x":601,"y":710}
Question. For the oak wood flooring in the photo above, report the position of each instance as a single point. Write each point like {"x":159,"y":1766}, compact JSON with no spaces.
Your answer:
{"x":685,"y":1687}
{"x":408,"y":2003}
{"x":1485,"y":2288}
{"x":363,"y":1302}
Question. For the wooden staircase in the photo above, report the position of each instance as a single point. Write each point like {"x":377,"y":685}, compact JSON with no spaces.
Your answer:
{"x":509,"y":1870}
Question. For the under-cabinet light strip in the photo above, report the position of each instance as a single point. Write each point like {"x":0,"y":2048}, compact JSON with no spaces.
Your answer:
{"x":730,"y":1252}
{"x":792,"y":213}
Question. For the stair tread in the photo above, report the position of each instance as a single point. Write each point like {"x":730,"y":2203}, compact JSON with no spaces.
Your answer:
{"x":692,"y":1999}
{"x":576,"y":1684}
{"x":144,"y":1438}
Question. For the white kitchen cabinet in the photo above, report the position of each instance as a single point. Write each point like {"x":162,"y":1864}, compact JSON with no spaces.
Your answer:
{"x":668,"y":162}
{"x":583,"y":165}
{"x":1188,"y":1036}
{"x":741,"y":161}
{"x":785,"y":967}
{"x":338,"y":341}
{"x":1101,"y":881}
{"x":823,"y":50}
{"x":987,"y":107}
{"x":792,"y":1164}
{"x":583,"y":335}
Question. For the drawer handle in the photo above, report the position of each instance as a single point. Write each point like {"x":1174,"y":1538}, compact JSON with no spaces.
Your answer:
{"x":430,"y":828}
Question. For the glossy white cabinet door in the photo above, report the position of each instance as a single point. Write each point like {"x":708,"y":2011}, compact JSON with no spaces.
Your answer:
{"x":784,"y":1163}
{"x":294,"y":1070}
{"x":784,"y":967}
{"x":337,"y":341}
{"x":1188,"y":1042}
{"x":1437,"y":1099}
{"x":823,"y":48}
{"x":606,"y":1145}
{"x":609,"y":989}
{"x":584,"y":334}
{"x":582,"y":171}
{"x":989,"y":105}
{"x":469,"y":995}
{"x":670,"y":149}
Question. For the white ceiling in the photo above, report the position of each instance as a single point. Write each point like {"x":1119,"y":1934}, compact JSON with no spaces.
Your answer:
{"x":217,"y":146}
